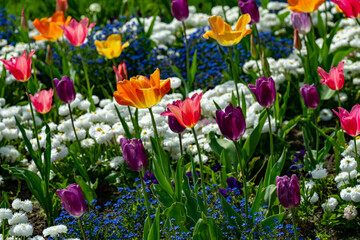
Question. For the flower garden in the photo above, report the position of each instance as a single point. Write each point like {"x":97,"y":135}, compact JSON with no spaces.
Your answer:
{"x":179,"y":119}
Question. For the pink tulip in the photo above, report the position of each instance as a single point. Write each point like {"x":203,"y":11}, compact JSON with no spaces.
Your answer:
{"x":350,"y":122}
{"x":76,"y":32}
{"x":335,"y":78}
{"x":42,"y":100}
{"x":61,"y":5}
{"x":120,"y":72}
{"x":19,"y":67}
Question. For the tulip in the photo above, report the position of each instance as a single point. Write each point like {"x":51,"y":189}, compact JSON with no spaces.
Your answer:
{"x":112,"y":47}
{"x":231,"y":122}
{"x":134,"y":153}
{"x":49,"y":59}
{"x":24,"y":23}
{"x":250,"y":7}
{"x":301,"y":22}
{"x":121,"y":72}
{"x":174,"y":124}
{"x":264,"y":91}
{"x":297,"y":40}
{"x":180,"y":9}
{"x":49,"y":27}
{"x":140,"y":92}
{"x":351,"y":8}
{"x":222,"y":32}
{"x":65,"y":89}
{"x":19,"y":67}
{"x":62,"y":5}
{"x":288,"y":191}
{"x":335,"y":78}
{"x":310,"y":96}
{"x":304,"y":5}
{"x":350,"y":122}
{"x":73,"y":200}
{"x":76,"y":32}
{"x":187,"y":112}
{"x":42,"y":101}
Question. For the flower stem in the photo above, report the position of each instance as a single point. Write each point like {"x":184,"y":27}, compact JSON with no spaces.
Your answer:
{"x":242,"y":170}
{"x":144,"y":192}
{"x":293,"y":215}
{"x":86,"y":73}
{"x":155,"y":129}
{"x":73,"y":126}
{"x":234,"y":74}
{"x":317,"y":135}
{"x":82,"y":229}
{"x":271,"y":139}
{"x":187,"y":60}
{"x":180,"y":142}
{"x":338,"y":96}
{"x":358,"y":22}
{"x":356,"y":152}
{"x":201,"y":169}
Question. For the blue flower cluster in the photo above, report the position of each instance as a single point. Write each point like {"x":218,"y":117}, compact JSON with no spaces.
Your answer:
{"x":6,"y":25}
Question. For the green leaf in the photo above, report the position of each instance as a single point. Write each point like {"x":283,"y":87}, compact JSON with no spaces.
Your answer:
{"x":290,"y":125}
{"x":177,"y":211}
{"x":147,"y":227}
{"x":270,"y":195}
{"x":178,"y":179}
{"x":149,"y":32}
{"x":307,"y":147}
{"x":233,"y":99}
{"x":339,"y":54}
{"x":124,"y":124}
{"x":219,"y":145}
{"x":206,"y":228}
{"x":230,"y":213}
{"x":257,"y":201}
{"x":270,"y":221}
{"x":154,"y":233}
{"x":178,"y":74}
{"x":192,"y":70}
{"x":243,"y":104}
{"x":160,"y":176}
{"x":321,"y":26}
{"x":192,"y":210}
{"x":326,"y":93}
{"x":78,"y":166}
{"x":89,"y":193}
{"x":216,"y":105}
{"x":277,"y":168}
{"x":161,"y":195}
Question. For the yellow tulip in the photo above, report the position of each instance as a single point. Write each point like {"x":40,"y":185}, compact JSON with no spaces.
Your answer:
{"x":222,"y":32}
{"x":304,"y":5}
{"x":112,"y":47}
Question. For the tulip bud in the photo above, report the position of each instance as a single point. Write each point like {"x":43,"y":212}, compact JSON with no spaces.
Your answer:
{"x":121,"y":72}
{"x":253,"y":50}
{"x":49,"y":56}
{"x":180,"y":9}
{"x":62,"y":5}
{"x":250,"y":7}
{"x":231,"y":122}
{"x":134,"y":153}
{"x":297,"y":40}
{"x":265,"y":63}
{"x":264,"y":91}
{"x":288,"y":191}
{"x":24,"y":24}
{"x":310,"y":96}
{"x":65,"y":89}
{"x":73,"y":200}
{"x":301,"y":22}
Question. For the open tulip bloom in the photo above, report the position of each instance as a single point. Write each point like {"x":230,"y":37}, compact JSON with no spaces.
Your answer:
{"x":19,"y":67}
{"x":49,"y":27}
{"x":42,"y":101}
{"x":335,"y":78}
{"x":304,"y":5}
{"x":112,"y":47}
{"x":76,"y":32}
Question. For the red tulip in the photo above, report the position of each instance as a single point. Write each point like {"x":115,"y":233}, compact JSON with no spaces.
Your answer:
{"x":19,"y":67}
{"x":121,"y":72}
{"x":335,"y":78}
{"x":42,"y":100}
{"x":351,"y":8}
{"x":76,"y":32}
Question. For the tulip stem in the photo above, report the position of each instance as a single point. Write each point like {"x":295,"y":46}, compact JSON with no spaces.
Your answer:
{"x":201,"y":169}
{"x":293,"y":215}
{"x":356,"y":152}
{"x":92,"y":107}
{"x":358,"y":22}
{"x":82,"y":229}
{"x":135,"y":125}
{"x":234,"y":74}
{"x":187,"y":59}
{"x":180,"y":142}
{"x":242,"y":170}
{"x":338,"y":97}
{"x":271,"y":140}
{"x":155,"y":129}
{"x":56,"y":98}
{"x":317,"y":135}
{"x":73,"y":126}
{"x":145,"y":194}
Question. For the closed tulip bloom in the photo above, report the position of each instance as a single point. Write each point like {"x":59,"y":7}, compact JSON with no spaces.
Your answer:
{"x":73,"y":200}
{"x":250,"y":7}
{"x":49,"y":27}
{"x":134,"y":153}
{"x":180,"y":9}
{"x":65,"y":89}
{"x":174,"y":124}
{"x":301,"y":22}
{"x":351,"y":8}
{"x":310,"y":96}
{"x":288,"y":191}
{"x":231,"y":122}
{"x":350,"y":122}
{"x":222,"y":32}
{"x":304,"y":5}
{"x":62,"y":5}
{"x":24,"y":23}
{"x":187,"y":112}
{"x":264,"y":91}
{"x":76,"y":32}
{"x":42,"y":101}
{"x":141,"y":92}
{"x":19,"y":67}
{"x":112,"y":47}
{"x":120,"y":72}
{"x":335,"y":78}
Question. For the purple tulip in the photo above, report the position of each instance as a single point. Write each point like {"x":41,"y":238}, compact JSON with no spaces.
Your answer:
{"x":223,"y":192}
{"x":301,"y":22}
{"x":288,"y":191}
{"x":180,"y":9}
{"x":65,"y":89}
{"x":73,"y":200}
{"x":233,"y":183}
{"x":250,"y":7}
{"x":174,"y":124}
{"x":134,"y":153}
{"x":310,"y":96}
{"x":264,"y":91}
{"x":231,"y":122}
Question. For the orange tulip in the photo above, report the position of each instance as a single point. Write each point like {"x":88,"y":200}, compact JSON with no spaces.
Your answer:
{"x":222,"y":32}
{"x":48,"y":27}
{"x":141,"y":92}
{"x":304,"y":5}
